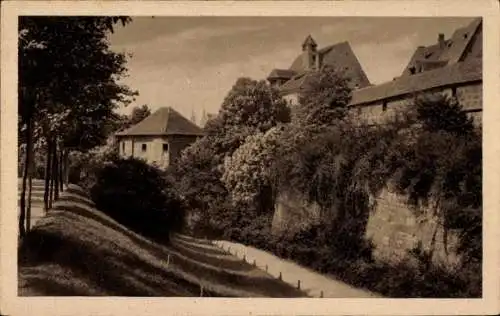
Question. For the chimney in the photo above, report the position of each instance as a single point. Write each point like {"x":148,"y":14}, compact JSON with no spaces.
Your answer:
{"x":441,"y":40}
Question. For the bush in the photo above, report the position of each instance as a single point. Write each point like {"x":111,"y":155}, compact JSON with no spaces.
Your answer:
{"x":138,"y":196}
{"x":429,"y":152}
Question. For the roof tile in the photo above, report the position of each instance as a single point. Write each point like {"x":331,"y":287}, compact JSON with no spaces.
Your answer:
{"x":451,"y":52}
{"x":462,"y":72}
{"x":165,"y":121}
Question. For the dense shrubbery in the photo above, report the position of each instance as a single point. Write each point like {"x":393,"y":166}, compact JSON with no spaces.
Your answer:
{"x":138,"y":196}
{"x":251,"y":107}
{"x":132,"y":192}
{"x":430,"y":153}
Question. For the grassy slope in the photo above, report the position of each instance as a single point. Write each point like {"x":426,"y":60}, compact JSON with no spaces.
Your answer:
{"x":78,"y":251}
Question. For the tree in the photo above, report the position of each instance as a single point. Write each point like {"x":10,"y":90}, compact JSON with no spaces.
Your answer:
{"x":438,"y":165}
{"x":198,"y":181}
{"x":67,"y":87}
{"x":204,"y":118}
{"x":438,"y":112}
{"x":139,"y":113}
{"x":324,"y":98}
{"x":248,"y":176}
{"x":255,"y":104}
{"x":193,"y":117}
{"x":152,"y":208}
{"x":250,"y":107}
{"x":122,"y":122}
{"x":247,"y":172}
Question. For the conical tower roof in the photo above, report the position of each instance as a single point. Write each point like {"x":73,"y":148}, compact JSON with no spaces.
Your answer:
{"x":309,"y":41}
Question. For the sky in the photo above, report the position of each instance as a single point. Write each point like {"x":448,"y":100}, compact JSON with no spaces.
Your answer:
{"x":191,"y":63}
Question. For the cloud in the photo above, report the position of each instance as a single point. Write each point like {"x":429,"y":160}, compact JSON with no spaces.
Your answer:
{"x":187,"y":89}
{"x":191,"y":63}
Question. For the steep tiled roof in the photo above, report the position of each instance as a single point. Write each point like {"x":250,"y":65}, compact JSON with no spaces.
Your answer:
{"x":165,"y":121}
{"x":281,"y":74}
{"x":342,"y":57}
{"x":339,"y":56}
{"x":450,"y":52}
{"x":309,"y":41}
{"x":295,"y":84}
{"x":462,"y":72}
{"x":460,"y":40}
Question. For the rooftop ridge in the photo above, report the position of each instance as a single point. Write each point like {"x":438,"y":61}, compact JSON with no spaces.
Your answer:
{"x":163,"y":122}
{"x":463,"y":72}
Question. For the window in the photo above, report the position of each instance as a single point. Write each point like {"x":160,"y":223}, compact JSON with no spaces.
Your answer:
{"x":384,"y":106}
{"x":454,"y":92}
{"x":165,"y":147}
{"x":123,"y":146}
{"x":144,"y":147}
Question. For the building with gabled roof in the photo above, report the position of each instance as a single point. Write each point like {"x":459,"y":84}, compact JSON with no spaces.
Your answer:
{"x":465,"y":44}
{"x":451,"y":66}
{"x":340,"y":56}
{"x":159,"y":138}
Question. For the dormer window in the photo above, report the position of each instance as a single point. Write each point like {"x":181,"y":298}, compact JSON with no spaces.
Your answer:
{"x":465,"y":36}
{"x":412,"y":70}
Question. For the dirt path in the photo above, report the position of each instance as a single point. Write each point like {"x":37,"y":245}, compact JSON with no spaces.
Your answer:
{"x":220,"y":268}
{"x":313,"y":283}
{"x":36,"y":199}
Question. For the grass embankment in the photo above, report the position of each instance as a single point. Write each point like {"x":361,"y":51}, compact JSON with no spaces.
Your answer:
{"x":77,"y":250}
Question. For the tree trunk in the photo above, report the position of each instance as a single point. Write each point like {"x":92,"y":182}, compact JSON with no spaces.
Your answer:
{"x":61,"y":174}
{"x":22,"y":215}
{"x":47,"y":175}
{"x":52,"y":169}
{"x":66,"y":167}
{"x":31,"y":167}
{"x":28,"y":210}
{"x":51,"y":191}
{"x":55,"y":175}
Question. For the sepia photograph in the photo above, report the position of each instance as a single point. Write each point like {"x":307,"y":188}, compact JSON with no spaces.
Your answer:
{"x":223,"y":156}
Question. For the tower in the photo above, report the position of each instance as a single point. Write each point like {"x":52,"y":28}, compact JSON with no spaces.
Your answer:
{"x":193,"y":116}
{"x":309,"y":54}
{"x":204,"y":118}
